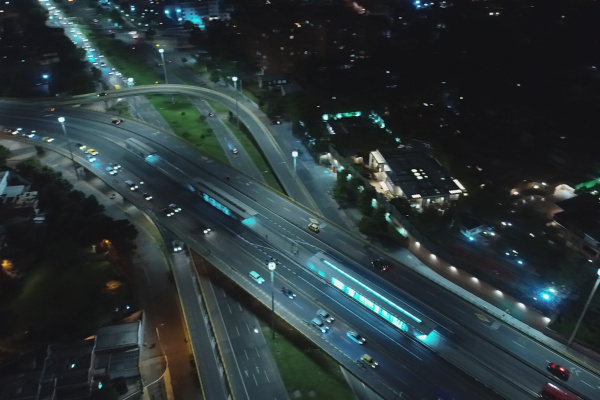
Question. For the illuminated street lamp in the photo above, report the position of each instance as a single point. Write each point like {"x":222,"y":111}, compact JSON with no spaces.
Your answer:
{"x":295,"y":155}
{"x":587,"y":304}
{"x":162,"y":58}
{"x":62,"y":123}
{"x":237,"y":110}
{"x":272,"y":265}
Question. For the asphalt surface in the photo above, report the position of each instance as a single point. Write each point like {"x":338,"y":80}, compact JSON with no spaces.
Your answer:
{"x":333,"y":238}
{"x":528,"y":355}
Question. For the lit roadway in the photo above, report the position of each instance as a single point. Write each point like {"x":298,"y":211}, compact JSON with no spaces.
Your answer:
{"x":503,"y":358}
{"x":282,"y":162}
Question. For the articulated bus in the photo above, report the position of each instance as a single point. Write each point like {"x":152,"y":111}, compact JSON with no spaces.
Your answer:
{"x":553,"y":392}
{"x":387,"y":308}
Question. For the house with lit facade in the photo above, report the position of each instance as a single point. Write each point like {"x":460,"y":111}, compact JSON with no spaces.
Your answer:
{"x":410,"y":171}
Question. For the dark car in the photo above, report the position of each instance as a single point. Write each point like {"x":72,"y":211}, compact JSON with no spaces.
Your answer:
{"x":288,"y":292}
{"x":559,"y":371}
{"x":101,"y":94}
{"x":117,"y":121}
{"x":211,"y":115}
{"x":380,"y":264}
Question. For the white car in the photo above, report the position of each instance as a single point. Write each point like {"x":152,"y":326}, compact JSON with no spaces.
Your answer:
{"x":177,"y":246}
{"x":355,"y":336}
{"x":317,"y":323}
{"x":256,"y":277}
{"x":325,"y":316}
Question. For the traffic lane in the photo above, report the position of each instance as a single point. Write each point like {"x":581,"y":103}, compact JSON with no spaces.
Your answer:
{"x":256,"y":363}
{"x":240,"y":335}
{"x":443,"y":304}
{"x":337,"y":332}
{"x":223,"y":251}
{"x":205,"y":358}
{"x":493,"y":329}
{"x":176,"y":187}
{"x":392,"y":349}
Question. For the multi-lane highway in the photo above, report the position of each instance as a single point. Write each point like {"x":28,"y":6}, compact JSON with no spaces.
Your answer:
{"x":505,"y":358}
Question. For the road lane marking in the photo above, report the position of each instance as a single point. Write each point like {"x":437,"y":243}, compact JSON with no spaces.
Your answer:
{"x":266,"y":376}
{"x":246,"y":353}
{"x":255,"y":381}
{"x":271,"y":200}
{"x":229,"y":307}
{"x":238,"y":330}
{"x":240,"y":307}
{"x":518,"y":344}
{"x":459,"y":309}
{"x":584,"y":382}
{"x":287,"y":209}
{"x":257,"y":353}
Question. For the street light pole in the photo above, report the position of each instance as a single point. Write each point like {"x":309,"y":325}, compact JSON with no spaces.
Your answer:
{"x":295,"y":155}
{"x":162,"y":58}
{"x":587,"y":304}
{"x":237,"y":110}
{"x":62,"y":123}
{"x":272,"y":265}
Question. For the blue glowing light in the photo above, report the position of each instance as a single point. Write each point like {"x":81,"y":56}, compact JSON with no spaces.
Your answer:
{"x":403,"y":311}
{"x":216,"y":204}
{"x":546,"y":296}
{"x":249,"y":221}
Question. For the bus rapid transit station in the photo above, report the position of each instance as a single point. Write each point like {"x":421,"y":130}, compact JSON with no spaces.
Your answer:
{"x":402,"y":319}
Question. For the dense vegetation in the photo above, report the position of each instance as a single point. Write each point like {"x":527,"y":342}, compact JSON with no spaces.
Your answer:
{"x":65,"y":277}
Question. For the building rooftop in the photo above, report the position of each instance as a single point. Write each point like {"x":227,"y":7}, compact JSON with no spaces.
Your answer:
{"x":580,"y":214}
{"x":418,"y":173}
{"x":119,"y":336}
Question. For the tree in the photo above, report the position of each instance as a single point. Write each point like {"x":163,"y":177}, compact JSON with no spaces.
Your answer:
{"x":150,"y":34}
{"x":364,"y":200}
{"x":214,"y":76}
{"x":4,"y":154}
{"x":96,"y":73}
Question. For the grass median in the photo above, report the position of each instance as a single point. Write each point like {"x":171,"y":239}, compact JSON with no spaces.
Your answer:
{"x":307,"y":371}
{"x":187,"y":123}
